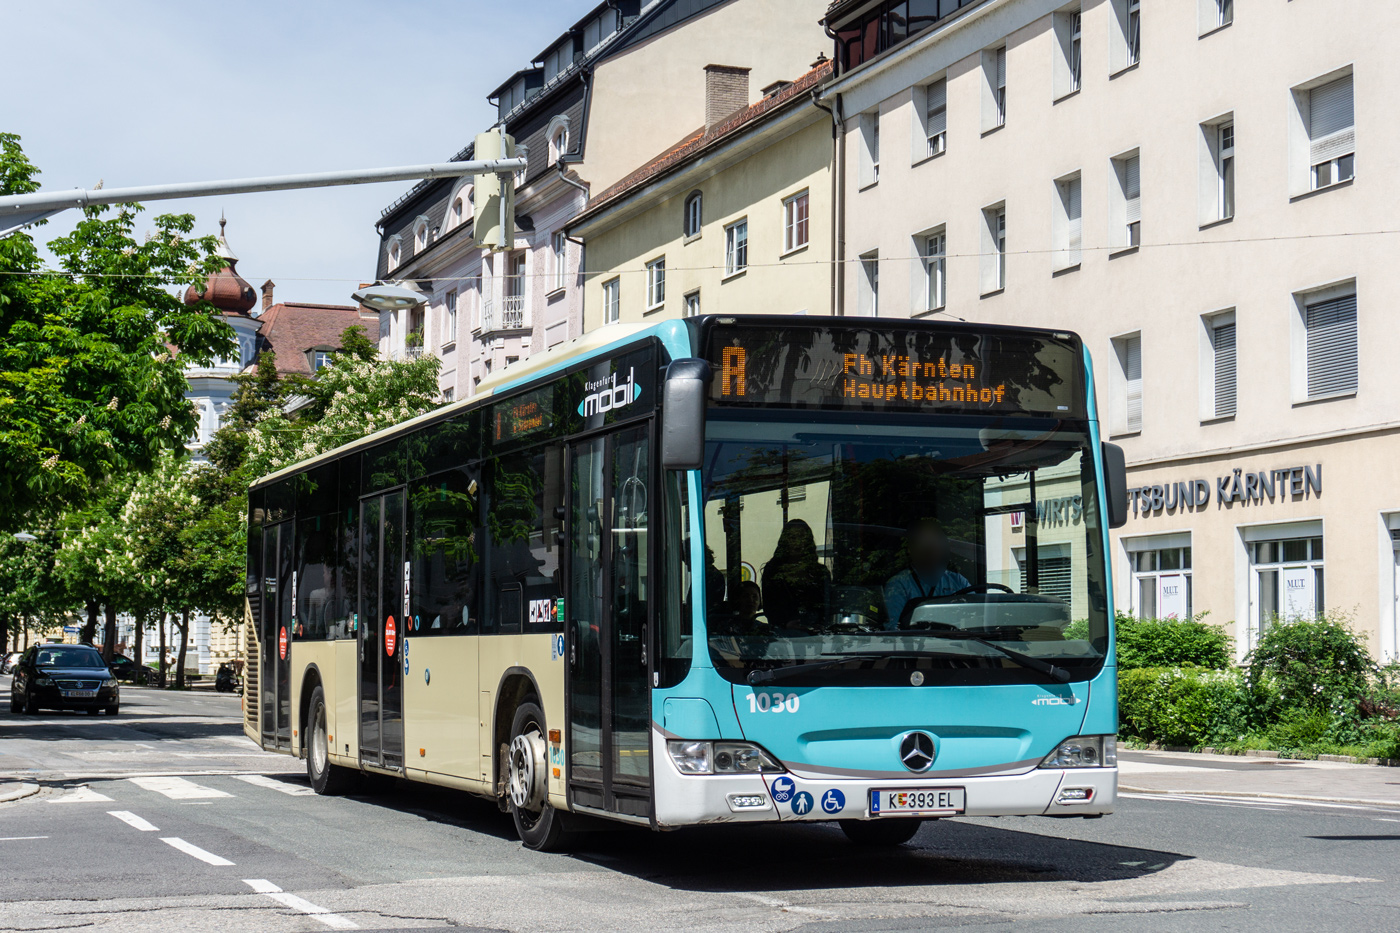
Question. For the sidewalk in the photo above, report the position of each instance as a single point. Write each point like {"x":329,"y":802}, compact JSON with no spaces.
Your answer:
{"x":16,"y":790}
{"x":1236,"y":776}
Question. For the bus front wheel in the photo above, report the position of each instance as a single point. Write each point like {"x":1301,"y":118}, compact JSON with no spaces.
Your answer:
{"x":538,"y":824}
{"x":890,"y":832}
{"x":326,"y":779}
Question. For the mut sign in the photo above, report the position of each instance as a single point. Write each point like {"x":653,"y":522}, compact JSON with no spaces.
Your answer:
{"x":1248,"y":488}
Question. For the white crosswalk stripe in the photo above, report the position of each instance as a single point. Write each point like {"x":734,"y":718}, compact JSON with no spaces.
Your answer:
{"x":177,"y":788}
{"x":334,"y":921}
{"x":262,"y":780}
{"x":190,"y":848}
{"x":82,"y":794}
{"x":132,"y":820}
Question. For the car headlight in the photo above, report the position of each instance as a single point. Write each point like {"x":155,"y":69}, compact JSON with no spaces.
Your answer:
{"x":42,"y":680}
{"x":1084,"y":751}
{"x":110,"y":682}
{"x":701,"y":757}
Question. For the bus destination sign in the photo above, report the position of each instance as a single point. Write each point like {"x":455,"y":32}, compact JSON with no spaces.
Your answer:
{"x":527,"y":414}
{"x":868,"y":369}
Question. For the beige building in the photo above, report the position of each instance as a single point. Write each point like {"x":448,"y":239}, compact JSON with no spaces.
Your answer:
{"x":1200,"y":189}
{"x":735,"y":218}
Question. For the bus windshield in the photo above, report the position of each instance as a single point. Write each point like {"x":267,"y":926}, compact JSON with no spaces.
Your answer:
{"x":892,"y":549}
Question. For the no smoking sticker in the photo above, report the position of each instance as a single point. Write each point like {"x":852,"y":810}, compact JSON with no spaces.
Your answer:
{"x":391,"y":636}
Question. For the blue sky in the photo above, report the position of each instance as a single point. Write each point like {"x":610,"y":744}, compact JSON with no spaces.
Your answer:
{"x":139,"y":93}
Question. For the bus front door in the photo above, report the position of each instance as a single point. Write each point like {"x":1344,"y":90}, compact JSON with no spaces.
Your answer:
{"x":382,"y":627}
{"x":609,"y":693}
{"x":275,"y":636}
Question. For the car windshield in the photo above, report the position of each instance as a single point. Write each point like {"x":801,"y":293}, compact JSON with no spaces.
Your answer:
{"x":68,"y":657}
{"x":940,"y":550}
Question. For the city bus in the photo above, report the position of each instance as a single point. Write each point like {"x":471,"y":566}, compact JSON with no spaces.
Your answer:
{"x":716,"y":570}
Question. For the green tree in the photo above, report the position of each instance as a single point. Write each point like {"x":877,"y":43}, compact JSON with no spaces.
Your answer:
{"x":30,"y":593}
{"x":93,"y":355}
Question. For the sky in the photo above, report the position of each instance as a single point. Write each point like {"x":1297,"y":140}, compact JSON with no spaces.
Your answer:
{"x":143,"y":92}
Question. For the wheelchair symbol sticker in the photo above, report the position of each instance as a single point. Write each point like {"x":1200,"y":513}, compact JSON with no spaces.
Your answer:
{"x":833,"y":801}
{"x":783,"y":788}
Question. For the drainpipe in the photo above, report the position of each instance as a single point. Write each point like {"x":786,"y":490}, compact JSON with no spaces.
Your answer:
{"x":571,"y":158}
{"x":836,"y":206}
{"x":838,"y":220}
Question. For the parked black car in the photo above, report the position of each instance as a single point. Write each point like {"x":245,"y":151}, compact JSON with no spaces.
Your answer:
{"x":63,"y":677}
{"x":122,"y":667}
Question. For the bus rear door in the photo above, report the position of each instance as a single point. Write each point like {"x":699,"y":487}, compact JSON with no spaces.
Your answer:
{"x":383,"y":625}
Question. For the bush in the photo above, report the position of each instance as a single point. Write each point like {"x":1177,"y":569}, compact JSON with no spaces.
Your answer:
{"x":1171,"y":643}
{"x":1317,"y":665}
{"x":1190,"y":705}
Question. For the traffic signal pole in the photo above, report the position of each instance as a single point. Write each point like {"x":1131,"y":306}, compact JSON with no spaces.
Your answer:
{"x":20,"y":210}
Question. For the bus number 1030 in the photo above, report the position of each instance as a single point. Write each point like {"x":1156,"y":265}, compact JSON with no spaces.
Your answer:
{"x":773,"y":702}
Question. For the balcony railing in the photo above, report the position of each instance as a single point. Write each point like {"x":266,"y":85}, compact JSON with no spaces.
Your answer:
{"x":510,"y":315}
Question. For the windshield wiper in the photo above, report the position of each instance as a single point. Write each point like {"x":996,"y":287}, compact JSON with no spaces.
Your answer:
{"x":1053,"y":671}
{"x":766,"y":677}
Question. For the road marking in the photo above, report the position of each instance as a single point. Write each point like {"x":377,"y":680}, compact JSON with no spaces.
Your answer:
{"x":190,"y":848}
{"x":132,"y":820}
{"x":82,"y":794}
{"x":262,"y":780}
{"x":177,"y":788}
{"x":19,"y":838}
{"x":1261,"y":802}
{"x":335,"y":921}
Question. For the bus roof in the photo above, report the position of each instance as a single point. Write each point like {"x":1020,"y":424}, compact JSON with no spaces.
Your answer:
{"x":556,"y":357}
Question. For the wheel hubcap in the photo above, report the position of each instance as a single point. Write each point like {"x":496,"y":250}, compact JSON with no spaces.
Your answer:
{"x":525,"y":771}
{"x":318,"y":741}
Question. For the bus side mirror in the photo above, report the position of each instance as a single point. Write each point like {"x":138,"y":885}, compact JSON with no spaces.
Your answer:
{"x":683,"y":401}
{"x":1115,"y":484}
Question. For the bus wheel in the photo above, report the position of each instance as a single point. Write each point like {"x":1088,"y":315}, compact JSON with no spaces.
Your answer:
{"x":538,"y":824}
{"x":893,"y":832}
{"x":326,"y":778}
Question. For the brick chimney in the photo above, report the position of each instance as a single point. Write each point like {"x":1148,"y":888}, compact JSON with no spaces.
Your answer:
{"x":726,"y":93}
{"x":267,"y":288}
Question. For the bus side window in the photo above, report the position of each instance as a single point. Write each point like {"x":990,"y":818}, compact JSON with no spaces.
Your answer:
{"x":446,"y":561}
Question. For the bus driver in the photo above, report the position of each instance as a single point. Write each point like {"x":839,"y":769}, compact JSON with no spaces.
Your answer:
{"x":927,"y":573}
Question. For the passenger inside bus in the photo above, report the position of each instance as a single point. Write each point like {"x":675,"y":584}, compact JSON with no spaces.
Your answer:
{"x":795,"y":581}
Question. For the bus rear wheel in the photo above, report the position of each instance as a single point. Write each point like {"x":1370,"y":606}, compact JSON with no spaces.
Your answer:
{"x":889,"y":832}
{"x":326,"y":779}
{"x":539,"y":825}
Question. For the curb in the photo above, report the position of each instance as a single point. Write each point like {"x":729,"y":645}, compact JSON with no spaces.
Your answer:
{"x":19,"y":792}
{"x":1266,"y":753}
{"x":1388,"y":804}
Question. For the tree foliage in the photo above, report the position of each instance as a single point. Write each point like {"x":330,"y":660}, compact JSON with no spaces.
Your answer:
{"x":93,"y":355}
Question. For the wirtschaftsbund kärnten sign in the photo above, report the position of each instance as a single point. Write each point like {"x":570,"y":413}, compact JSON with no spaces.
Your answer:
{"x":1290,"y":484}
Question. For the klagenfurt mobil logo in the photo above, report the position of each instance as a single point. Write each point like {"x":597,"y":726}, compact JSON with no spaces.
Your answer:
{"x":604,"y":395}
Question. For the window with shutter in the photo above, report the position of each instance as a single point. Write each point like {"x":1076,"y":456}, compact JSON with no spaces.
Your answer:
{"x":1001,"y":86}
{"x":1132,"y":375}
{"x":1332,"y":351}
{"x":937,"y":119}
{"x":1223,"y":338}
{"x":1056,"y":578}
{"x":1132,"y":197}
{"x":1331,"y":132}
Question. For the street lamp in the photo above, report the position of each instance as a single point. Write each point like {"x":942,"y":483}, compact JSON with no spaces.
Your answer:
{"x":389,"y":297}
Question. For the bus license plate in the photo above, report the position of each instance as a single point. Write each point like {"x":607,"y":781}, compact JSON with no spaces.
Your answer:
{"x":908,"y":801}
{"x":79,"y":694}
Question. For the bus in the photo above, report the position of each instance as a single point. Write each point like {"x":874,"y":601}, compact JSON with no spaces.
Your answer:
{"x":715,"y":570}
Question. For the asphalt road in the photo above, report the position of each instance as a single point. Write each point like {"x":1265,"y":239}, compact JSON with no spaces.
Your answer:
{"x":167,"y":819}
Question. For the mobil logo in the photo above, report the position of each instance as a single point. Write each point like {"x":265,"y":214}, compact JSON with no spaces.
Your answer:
{"x":282,"y":643}
{"x":391,"y":636}
{"x":609,"y":393}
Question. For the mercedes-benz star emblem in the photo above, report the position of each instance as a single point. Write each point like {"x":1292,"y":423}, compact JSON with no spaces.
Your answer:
{"x":916,"y":750}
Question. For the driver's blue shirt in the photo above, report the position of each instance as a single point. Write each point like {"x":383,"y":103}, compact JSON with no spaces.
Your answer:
{"x":909,"y":584}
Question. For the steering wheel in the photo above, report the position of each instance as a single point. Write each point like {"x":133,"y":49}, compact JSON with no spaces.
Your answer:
{"x":982,"y":588}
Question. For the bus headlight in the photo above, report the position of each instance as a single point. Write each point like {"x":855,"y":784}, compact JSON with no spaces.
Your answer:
{"x":1084,"y":751}
{"x":695,"y":757}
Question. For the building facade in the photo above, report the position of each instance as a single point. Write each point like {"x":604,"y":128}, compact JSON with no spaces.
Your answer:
{"x":596,"y":103}
{"x":1200,"y":189}
{"x":735,"y":219}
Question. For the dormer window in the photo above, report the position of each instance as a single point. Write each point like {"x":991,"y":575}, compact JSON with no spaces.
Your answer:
{"x":420,"y":235}
{"x":321,"y":357}
{"x":395,"y":252}
{"x":558,"y":136}
{"x":457,"y":211}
